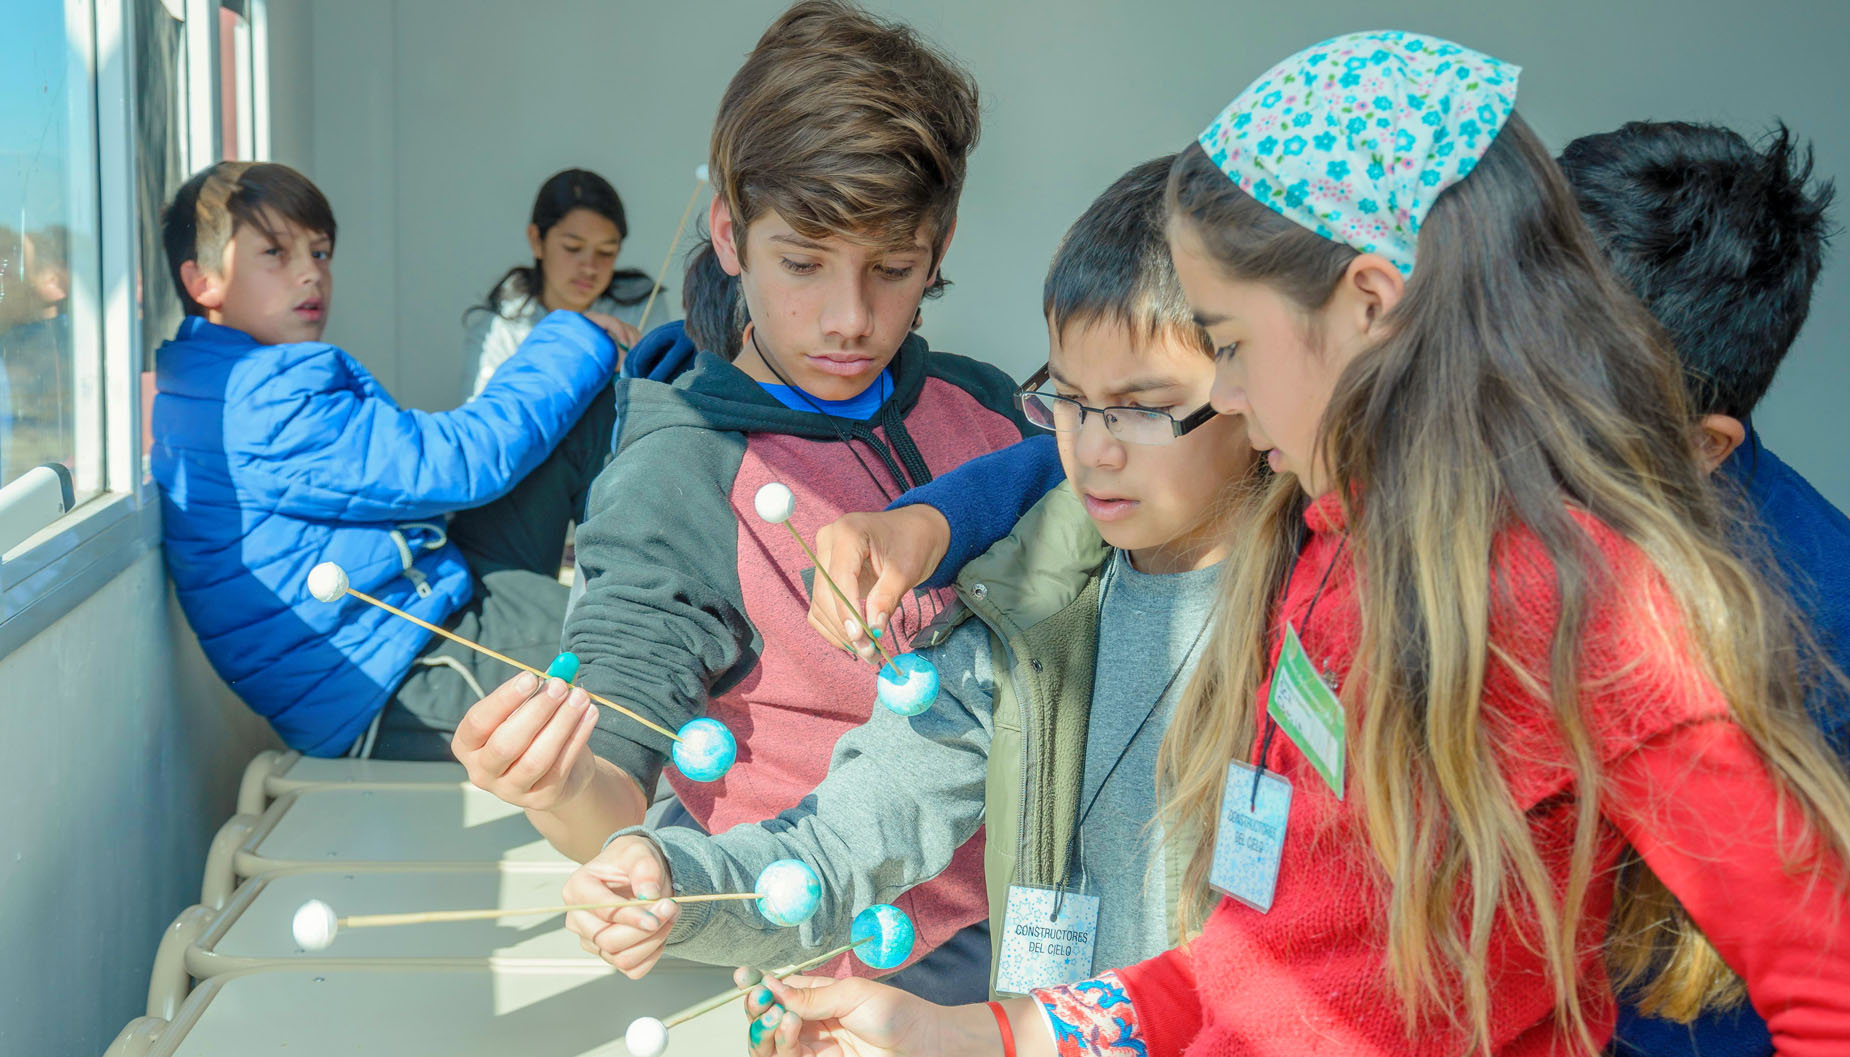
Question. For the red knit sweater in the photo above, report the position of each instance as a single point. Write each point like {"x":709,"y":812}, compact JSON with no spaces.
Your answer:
{"x":1683,"y":785}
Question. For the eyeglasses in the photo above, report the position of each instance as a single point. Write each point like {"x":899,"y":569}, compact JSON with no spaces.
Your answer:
{"x":1133,"y":425}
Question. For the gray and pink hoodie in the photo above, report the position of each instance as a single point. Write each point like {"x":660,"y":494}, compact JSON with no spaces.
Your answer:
{"x":693,"y":606}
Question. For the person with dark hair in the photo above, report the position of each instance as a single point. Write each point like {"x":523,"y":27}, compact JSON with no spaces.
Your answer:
{"x":576,"y":231}
{"x":276,"y":451}
{"x":1723,"y":241}
{"x":710,"y":299}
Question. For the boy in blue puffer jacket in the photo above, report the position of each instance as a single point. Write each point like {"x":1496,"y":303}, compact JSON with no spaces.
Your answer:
{"x":276,"y":451}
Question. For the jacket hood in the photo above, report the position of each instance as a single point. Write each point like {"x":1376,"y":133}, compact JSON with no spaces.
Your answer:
{"x":713,"y":394}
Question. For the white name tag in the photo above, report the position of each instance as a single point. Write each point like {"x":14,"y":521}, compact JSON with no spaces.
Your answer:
{"x":1249,"y":842}
{"x":1041,"y":948}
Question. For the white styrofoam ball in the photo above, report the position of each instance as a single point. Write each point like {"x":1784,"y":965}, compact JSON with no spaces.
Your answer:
{"x":315,"y":925}
{"x":327,"y":582}
{"x":775,"y":503}
{"x":646,"y":1037}
{"x":702,"y":174}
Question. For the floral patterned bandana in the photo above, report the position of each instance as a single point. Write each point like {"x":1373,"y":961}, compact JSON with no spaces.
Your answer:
{"x":1356,"y":137}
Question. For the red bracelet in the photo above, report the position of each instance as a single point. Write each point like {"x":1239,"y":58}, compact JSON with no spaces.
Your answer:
{"x":1008,"y":1033}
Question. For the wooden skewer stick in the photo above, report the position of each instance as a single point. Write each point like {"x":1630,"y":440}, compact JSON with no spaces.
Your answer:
{"x":719,"y":1000}
{"x":363,"y":921}
{"x":505,"y":659}
{"x":679,"y":229}
{"x":872,"y":637}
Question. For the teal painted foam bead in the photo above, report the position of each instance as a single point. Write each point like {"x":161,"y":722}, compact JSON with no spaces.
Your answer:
{"x":789,"y":892}
{"x":884,"y":935}
{"x":564,"y":666}
{"x":908,"y":685}
{"x":706,"y":750}
{"x":765,"y":1024}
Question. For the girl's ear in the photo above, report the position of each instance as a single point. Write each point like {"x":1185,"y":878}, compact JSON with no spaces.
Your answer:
{"x":1369,"y":289}
{"x":1376,"y":287}
{"x":533,"y":241}
{"x":725,"y":236}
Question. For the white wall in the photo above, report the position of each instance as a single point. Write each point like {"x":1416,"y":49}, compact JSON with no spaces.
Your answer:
{"x":435,"y":121}
{"x":123,"y":757}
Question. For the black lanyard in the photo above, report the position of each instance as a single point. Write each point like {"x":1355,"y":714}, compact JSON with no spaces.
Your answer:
{"x":1271,"y":725}
{"x":1074,"y":859}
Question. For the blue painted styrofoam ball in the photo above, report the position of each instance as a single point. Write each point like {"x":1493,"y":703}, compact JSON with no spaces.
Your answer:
{"x":788,"y":892}
{"x":892,"y":936}
{"x":706,"y":750}
{"x":908,"y":685}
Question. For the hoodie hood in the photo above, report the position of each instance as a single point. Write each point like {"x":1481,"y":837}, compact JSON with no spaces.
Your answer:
{"x":711,"y":393}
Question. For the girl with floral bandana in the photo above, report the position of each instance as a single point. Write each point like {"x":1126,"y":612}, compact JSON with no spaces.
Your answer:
{"x":1513,"y":727}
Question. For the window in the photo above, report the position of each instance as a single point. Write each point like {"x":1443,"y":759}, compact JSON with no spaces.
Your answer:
{"x":110,"y":105}
{"x":48,"y":244}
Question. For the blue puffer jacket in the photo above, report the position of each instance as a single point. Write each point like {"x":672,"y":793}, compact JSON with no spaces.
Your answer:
{"x":273,"y":458}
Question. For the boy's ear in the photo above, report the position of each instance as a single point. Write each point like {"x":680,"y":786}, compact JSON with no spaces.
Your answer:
{"x":533,"y":240}
{"x":725,"y":236}
{"x":1716,"y":438}
{"x":206,"y":289}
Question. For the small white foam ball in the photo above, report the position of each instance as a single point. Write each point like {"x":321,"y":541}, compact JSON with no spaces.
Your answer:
{"x":775,"y":503}
{"x":702,"y":173}
{"x":646,"y":1037}
{"x":327,"y":582}
{"x":315,"y":925}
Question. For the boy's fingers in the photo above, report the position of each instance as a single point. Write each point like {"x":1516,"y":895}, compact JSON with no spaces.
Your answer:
{"x":813,"y":1000}
{"x":842,"y":552}
{"x":511,"y":740}
{"x":757,"y":1000}
{"x":894,"y":584}
{"x":789,"y":1027}
{"x":576,"y":747}
{"x":648,"y":875}
{"x":542,"y":756}
{"x":490,"y":712}
{"x":632,"y":950}
{"x":586,"y":924}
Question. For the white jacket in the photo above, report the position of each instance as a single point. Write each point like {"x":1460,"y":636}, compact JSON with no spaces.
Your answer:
{"x":489,"y":338}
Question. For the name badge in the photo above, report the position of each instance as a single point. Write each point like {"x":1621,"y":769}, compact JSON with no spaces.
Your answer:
{"x":1041,"y":948}
{"x":1249,"y":843}
{"x":1304,"y":707}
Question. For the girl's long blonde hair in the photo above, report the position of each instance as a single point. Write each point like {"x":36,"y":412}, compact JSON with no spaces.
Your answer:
{"x":1519,"y":383}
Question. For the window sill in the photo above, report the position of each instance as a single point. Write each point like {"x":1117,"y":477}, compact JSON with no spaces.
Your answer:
{"x":50,"y":574}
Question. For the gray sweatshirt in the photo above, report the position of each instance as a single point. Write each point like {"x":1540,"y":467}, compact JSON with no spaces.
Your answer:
{"x":903,"y":794}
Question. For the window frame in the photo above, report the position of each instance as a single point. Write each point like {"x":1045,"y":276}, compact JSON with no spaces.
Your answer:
{"x":67,"y":561}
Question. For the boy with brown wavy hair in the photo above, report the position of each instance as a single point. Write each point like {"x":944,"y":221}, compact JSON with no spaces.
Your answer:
{"x":839,"y":154}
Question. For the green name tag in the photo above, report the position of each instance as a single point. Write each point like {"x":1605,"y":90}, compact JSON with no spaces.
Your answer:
{"x":1308,"y":712}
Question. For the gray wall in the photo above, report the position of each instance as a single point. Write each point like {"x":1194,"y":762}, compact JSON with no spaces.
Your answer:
{"x":124,"y":752}
{"x":435,"y":120}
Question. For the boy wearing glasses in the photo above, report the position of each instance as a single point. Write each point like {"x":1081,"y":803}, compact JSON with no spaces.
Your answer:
{"x":1061,"y":667}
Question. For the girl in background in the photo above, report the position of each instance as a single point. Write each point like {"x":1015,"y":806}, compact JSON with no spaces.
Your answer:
{"x":576,"y":232}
